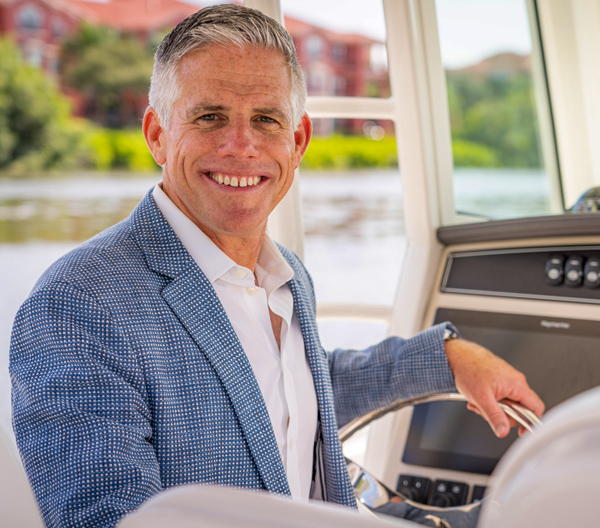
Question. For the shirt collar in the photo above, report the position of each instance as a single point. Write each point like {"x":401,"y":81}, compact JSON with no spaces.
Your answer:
{"x":272,"y":270}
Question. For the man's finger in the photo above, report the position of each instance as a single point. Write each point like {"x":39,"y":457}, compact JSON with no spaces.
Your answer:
{"x":532,"y":401}
{"x":495,"y":416}
{"x":473,"y":408}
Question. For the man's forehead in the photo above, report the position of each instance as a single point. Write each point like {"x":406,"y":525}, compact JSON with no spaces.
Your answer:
{"x":257,"y":65}
{"x":215,"y":76}
{"x":229,"y":82}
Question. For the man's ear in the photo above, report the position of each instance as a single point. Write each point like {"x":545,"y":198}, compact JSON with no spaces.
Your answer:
{"x":302,"y":137}
{"x":154,"y":136}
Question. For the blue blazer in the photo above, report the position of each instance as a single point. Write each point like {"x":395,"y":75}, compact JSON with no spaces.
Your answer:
{"x":128,"y":378}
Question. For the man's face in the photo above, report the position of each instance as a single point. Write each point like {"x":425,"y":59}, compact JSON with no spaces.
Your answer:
{"x":230,"y":151}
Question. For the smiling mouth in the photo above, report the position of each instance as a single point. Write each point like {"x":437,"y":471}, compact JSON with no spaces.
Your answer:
{"x":234,"y":181}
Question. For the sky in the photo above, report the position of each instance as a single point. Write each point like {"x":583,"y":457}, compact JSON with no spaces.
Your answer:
{"x":470,"y":30}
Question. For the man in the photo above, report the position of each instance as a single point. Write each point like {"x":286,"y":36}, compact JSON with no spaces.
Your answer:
{"x":181,"y":345}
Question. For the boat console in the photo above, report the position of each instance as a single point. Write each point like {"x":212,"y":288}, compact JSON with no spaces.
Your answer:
{"x":531,"y":297}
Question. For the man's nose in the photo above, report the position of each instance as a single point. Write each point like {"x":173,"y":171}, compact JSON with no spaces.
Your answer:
{"x":238,"y":142}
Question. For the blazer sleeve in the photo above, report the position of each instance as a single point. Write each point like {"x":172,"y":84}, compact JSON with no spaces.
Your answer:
{"x":80,"y":413}
{"x":396,"y":368}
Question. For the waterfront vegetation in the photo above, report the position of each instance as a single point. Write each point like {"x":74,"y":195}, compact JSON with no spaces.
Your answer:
{"x":492,"y":116}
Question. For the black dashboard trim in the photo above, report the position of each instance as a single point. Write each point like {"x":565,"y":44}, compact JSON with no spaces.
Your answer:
{"x":565,"y":225}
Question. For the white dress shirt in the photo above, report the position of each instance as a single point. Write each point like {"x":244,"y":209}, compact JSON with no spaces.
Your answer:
{"x":284,"y":376}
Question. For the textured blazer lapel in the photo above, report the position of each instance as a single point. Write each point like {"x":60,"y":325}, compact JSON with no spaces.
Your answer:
{"x":194,"y":301}
{"x":338,"y":485}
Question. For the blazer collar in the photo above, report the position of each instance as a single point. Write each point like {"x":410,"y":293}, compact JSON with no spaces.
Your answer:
{"x":195,"y":303}
{"x":163,"y":251}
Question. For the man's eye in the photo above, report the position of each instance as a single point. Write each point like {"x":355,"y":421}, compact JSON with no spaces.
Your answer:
{"x":209,"y":117}
{"x":266,"y":119}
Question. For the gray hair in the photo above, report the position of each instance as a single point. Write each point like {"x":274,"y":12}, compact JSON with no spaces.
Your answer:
{"x":224,"y":24}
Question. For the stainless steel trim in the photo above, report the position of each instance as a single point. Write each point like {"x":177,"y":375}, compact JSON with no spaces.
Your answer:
{"x":522,"y":415}
{"x":534,"y":249}
{"x":449,"y":263}
{"x":530,"y":415}
{"x":581,"y":300}
{"x":351,"y":428}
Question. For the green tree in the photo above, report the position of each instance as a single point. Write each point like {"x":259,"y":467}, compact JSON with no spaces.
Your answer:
{"x":36,"y":132}
{"x":494,"y":115}
{"x":111,"y":71}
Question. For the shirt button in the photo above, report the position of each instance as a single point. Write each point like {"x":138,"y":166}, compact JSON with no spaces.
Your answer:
{"x":292,"y":443}
{"x":239,"y":273}
{"x":251,"y":291}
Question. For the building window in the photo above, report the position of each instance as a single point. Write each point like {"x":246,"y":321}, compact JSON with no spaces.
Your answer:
{"x":35,"y":57}
{"x":339,"y":52}
{"x":58,"y":27}
{"x":340,"y":86}
{"x":30,"y":18}
{"x":314,"y":46}
{"x":378,"y":58}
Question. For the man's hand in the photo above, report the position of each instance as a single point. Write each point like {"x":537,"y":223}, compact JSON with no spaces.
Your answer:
{"x":484,"y":379}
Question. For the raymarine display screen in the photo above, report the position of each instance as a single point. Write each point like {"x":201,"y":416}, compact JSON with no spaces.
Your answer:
{"x":560,"y":357}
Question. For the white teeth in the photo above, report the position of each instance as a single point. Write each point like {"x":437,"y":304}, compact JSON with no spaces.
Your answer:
{"x":234,"y":181}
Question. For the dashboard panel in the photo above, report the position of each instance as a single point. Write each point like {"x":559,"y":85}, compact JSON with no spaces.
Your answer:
{"x":503,"y":295}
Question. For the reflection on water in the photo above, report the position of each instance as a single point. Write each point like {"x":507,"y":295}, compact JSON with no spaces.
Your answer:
{"x":500,"y":194}
{"x":360,"y":204}
{"x":69,"y":209}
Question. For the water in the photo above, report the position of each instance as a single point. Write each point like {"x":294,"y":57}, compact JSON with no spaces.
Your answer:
{"x":500,"y":194}
{"x":354,"y":222}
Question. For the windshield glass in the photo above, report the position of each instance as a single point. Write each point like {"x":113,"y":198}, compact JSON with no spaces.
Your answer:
{"x":505,"y":162}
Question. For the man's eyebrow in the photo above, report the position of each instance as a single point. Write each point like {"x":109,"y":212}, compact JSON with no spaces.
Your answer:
{"x":205,"y":107}
{"x":201,"y":108}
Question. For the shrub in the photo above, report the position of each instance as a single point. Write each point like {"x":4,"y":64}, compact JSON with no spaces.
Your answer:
{"x":131,"y":152}
{"x":107,"y":149}
{"x":349,"y":152}
{"x":469,"y":154}
{"x":36,"y":132}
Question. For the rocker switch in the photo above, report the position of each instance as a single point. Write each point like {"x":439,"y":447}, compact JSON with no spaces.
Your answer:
{"x":591,"y":273}
{"x":555,"y":270}
{"x":574,"y":271}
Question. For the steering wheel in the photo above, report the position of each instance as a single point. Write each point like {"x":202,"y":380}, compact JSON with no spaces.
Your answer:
{"x":373,"y":493}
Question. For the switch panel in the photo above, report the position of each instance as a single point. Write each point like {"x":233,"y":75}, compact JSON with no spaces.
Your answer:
{"x":559,"y":273}
{"x":478,"y":493}
{"x":415,"y":488}
{"x":447,"y":493}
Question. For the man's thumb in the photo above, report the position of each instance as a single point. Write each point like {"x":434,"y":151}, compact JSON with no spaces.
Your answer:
{"x":497,"y":419}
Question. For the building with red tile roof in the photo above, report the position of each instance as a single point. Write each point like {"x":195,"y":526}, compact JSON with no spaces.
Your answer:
{"x":334,"y":63}
{"x":140,"y":17}
{"x":38,"y":27}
